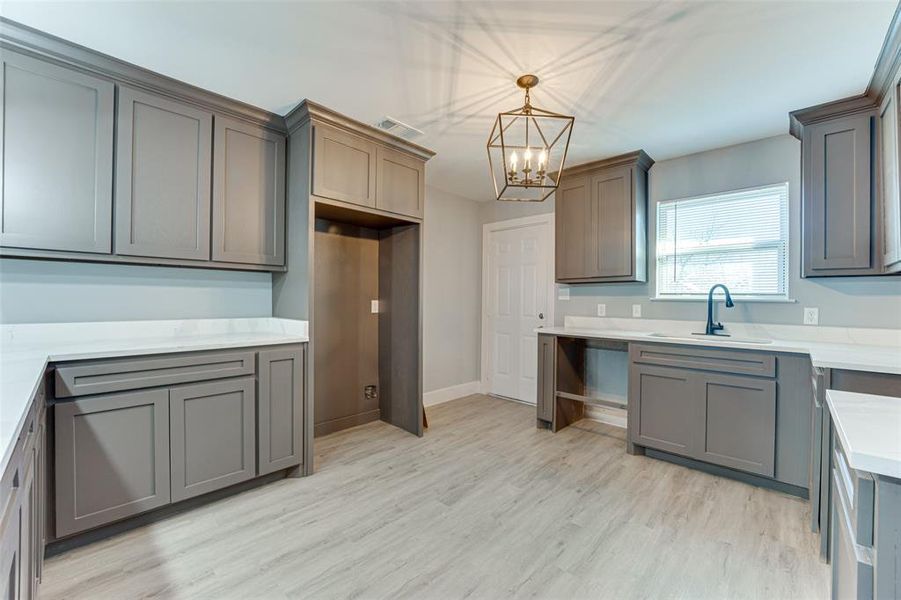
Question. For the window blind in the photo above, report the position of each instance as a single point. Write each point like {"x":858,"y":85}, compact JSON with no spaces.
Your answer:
{"x":737,"y":238}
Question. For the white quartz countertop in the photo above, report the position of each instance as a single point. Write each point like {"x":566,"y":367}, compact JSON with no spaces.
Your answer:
{"x":834,"y":348}
{"x":26,"y":349}
{"x":869,"y":430}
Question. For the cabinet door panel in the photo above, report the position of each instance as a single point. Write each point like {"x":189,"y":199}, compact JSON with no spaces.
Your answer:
{"x":740,"y":418}
{"x":10,"y":532}
{"x":889,"y":177}
{"x":248,"y":194}
{"x":56,"y":157}
{"x":280,"y":409}
{"x":547,"y":366}
{"x":838,"y":211}
{"x":667,"y":411}
{"x":112,"y":458}
{"x":401,"y":183}
{"x":212,"y":440}
{"x":344,"y":166}
{"x":610,"y":229}
{"x":163,"y":164}
{"x":571,"y":220}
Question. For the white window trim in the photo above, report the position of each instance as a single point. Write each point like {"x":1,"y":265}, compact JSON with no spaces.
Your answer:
{"x":778,"y":299}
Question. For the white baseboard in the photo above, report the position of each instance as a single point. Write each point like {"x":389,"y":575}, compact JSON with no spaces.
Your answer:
{"x":450,"y":393}
{"x":610,"y":416}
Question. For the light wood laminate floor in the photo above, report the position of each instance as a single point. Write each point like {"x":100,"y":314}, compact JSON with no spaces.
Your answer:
{"x":484,"y":506}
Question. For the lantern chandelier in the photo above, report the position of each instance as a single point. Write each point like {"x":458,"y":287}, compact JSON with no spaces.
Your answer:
{"x":527,"y":148}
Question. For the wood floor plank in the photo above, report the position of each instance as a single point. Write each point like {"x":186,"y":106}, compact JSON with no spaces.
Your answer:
{"x":484,"y":506}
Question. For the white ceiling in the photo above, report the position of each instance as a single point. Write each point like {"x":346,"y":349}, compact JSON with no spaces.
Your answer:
{"x":670,"y":77}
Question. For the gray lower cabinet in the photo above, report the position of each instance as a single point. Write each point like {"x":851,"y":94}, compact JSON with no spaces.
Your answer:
{"x":740,"y":422}
{"x":280,"y":419}
{"x":10,"y":536}
{"x":248,"y":193}
{"x":111,"y":457}
{"x":601,"y":221}
{"x":56,"y":157}
{"x":163,"y":166}
{"x":212,"y":436}
{"x":547,"y":368}
{"x":709,"y":410}
{"x":664,"y":405}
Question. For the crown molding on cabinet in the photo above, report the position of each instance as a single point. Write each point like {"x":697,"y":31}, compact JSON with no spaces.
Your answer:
{"x":308,"y":110}
{"x":889,"y":60}
{"x":828,"y":111}
{"x":22,"y":38}
{"x":638,"y":157}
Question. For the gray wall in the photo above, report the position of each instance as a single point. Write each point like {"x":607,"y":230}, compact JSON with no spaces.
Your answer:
{"x":452,"y":290}
{"x":849,"y":302}
{"x":34,"y":291}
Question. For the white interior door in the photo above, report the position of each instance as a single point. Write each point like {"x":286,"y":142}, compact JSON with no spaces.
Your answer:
{"x":518,"y":296}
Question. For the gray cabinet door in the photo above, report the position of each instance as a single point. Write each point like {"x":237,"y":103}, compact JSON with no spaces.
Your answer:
{"x":248,"y":194}
{"x":280,"y":409}
{"x":571,"y":218}
{"x":163,"y":165}
{"x":889,"y":180}
{"x":838,"y":197}
{"x":28,"y":514}
{"x":401,"y":183}
{"x":56,"y":157}
{"x":666,"y":408}
{"x":212,"y":436}
{"x":10,"y":534}
{"x":547,"y":367}
{"x":344,"y":166}
{"x":610,"y":232}
{"x":740,"y":418}
{"x":111,"y":458}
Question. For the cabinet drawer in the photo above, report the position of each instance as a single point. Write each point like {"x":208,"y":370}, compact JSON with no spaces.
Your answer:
{"x":725,"y":361}
{"x":857,"y":492}
{"x":130,"y":374}
{"x":852,"y":565}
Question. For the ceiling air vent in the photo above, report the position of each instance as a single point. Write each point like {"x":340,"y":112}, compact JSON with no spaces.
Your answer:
{"x":395,"y":127}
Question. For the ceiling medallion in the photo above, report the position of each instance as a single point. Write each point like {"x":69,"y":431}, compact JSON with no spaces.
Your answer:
{"x":527,"y":148}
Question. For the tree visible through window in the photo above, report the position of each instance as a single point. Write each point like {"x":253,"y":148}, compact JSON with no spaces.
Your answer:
{"x":738,"y":238}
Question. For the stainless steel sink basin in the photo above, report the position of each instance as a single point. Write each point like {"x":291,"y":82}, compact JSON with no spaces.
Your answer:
{"x":702,"y":337}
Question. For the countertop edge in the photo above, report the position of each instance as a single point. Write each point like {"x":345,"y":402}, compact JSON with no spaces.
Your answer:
{"x":857,"y":460}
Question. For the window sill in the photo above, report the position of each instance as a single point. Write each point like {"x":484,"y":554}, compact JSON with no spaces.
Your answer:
{"x":719,"y":298}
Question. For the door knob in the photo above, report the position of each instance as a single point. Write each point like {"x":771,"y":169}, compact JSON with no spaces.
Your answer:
{"x":540,"y":315}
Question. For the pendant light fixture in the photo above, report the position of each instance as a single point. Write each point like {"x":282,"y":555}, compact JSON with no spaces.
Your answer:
{"x":527,"y":148}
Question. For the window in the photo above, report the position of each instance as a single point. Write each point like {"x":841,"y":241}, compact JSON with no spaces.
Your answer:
{"x":737,"y":238}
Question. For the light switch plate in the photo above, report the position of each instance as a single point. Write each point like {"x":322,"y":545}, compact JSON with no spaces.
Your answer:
{"x":636,"y":310}
{"x":811,"y":316}
{"x":563,"y":293}
{"x":602,"y":310}
{"x":374,"y":307}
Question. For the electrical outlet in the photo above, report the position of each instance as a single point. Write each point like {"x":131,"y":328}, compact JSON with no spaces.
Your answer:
{"x":636,"y":310}
{"x":563,"y":293}
{"x":374,"y":307}
{"x":602,"y":310}
{"x":811,"y":316}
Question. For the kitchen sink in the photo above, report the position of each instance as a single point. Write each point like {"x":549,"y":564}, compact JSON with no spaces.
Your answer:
{"x":702,"y":337}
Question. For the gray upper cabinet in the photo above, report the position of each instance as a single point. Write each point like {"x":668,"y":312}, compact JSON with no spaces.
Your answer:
{"x":212,"y":436}
{"x":601,"y":221}
{"x":111,"y":457}
{"x":280,"y":422}
{"x":889,"y":178}
{"x":344,"y":166}
{"x":573,"y":207}
{"x":163,"y":165}
{"x":401,"y":183}
{"x":838,"y":209}
{"x":248,"y":193}
{"x":56,"y":157}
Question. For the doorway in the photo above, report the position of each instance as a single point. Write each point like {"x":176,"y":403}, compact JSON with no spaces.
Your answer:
{"x":517,"y":298}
